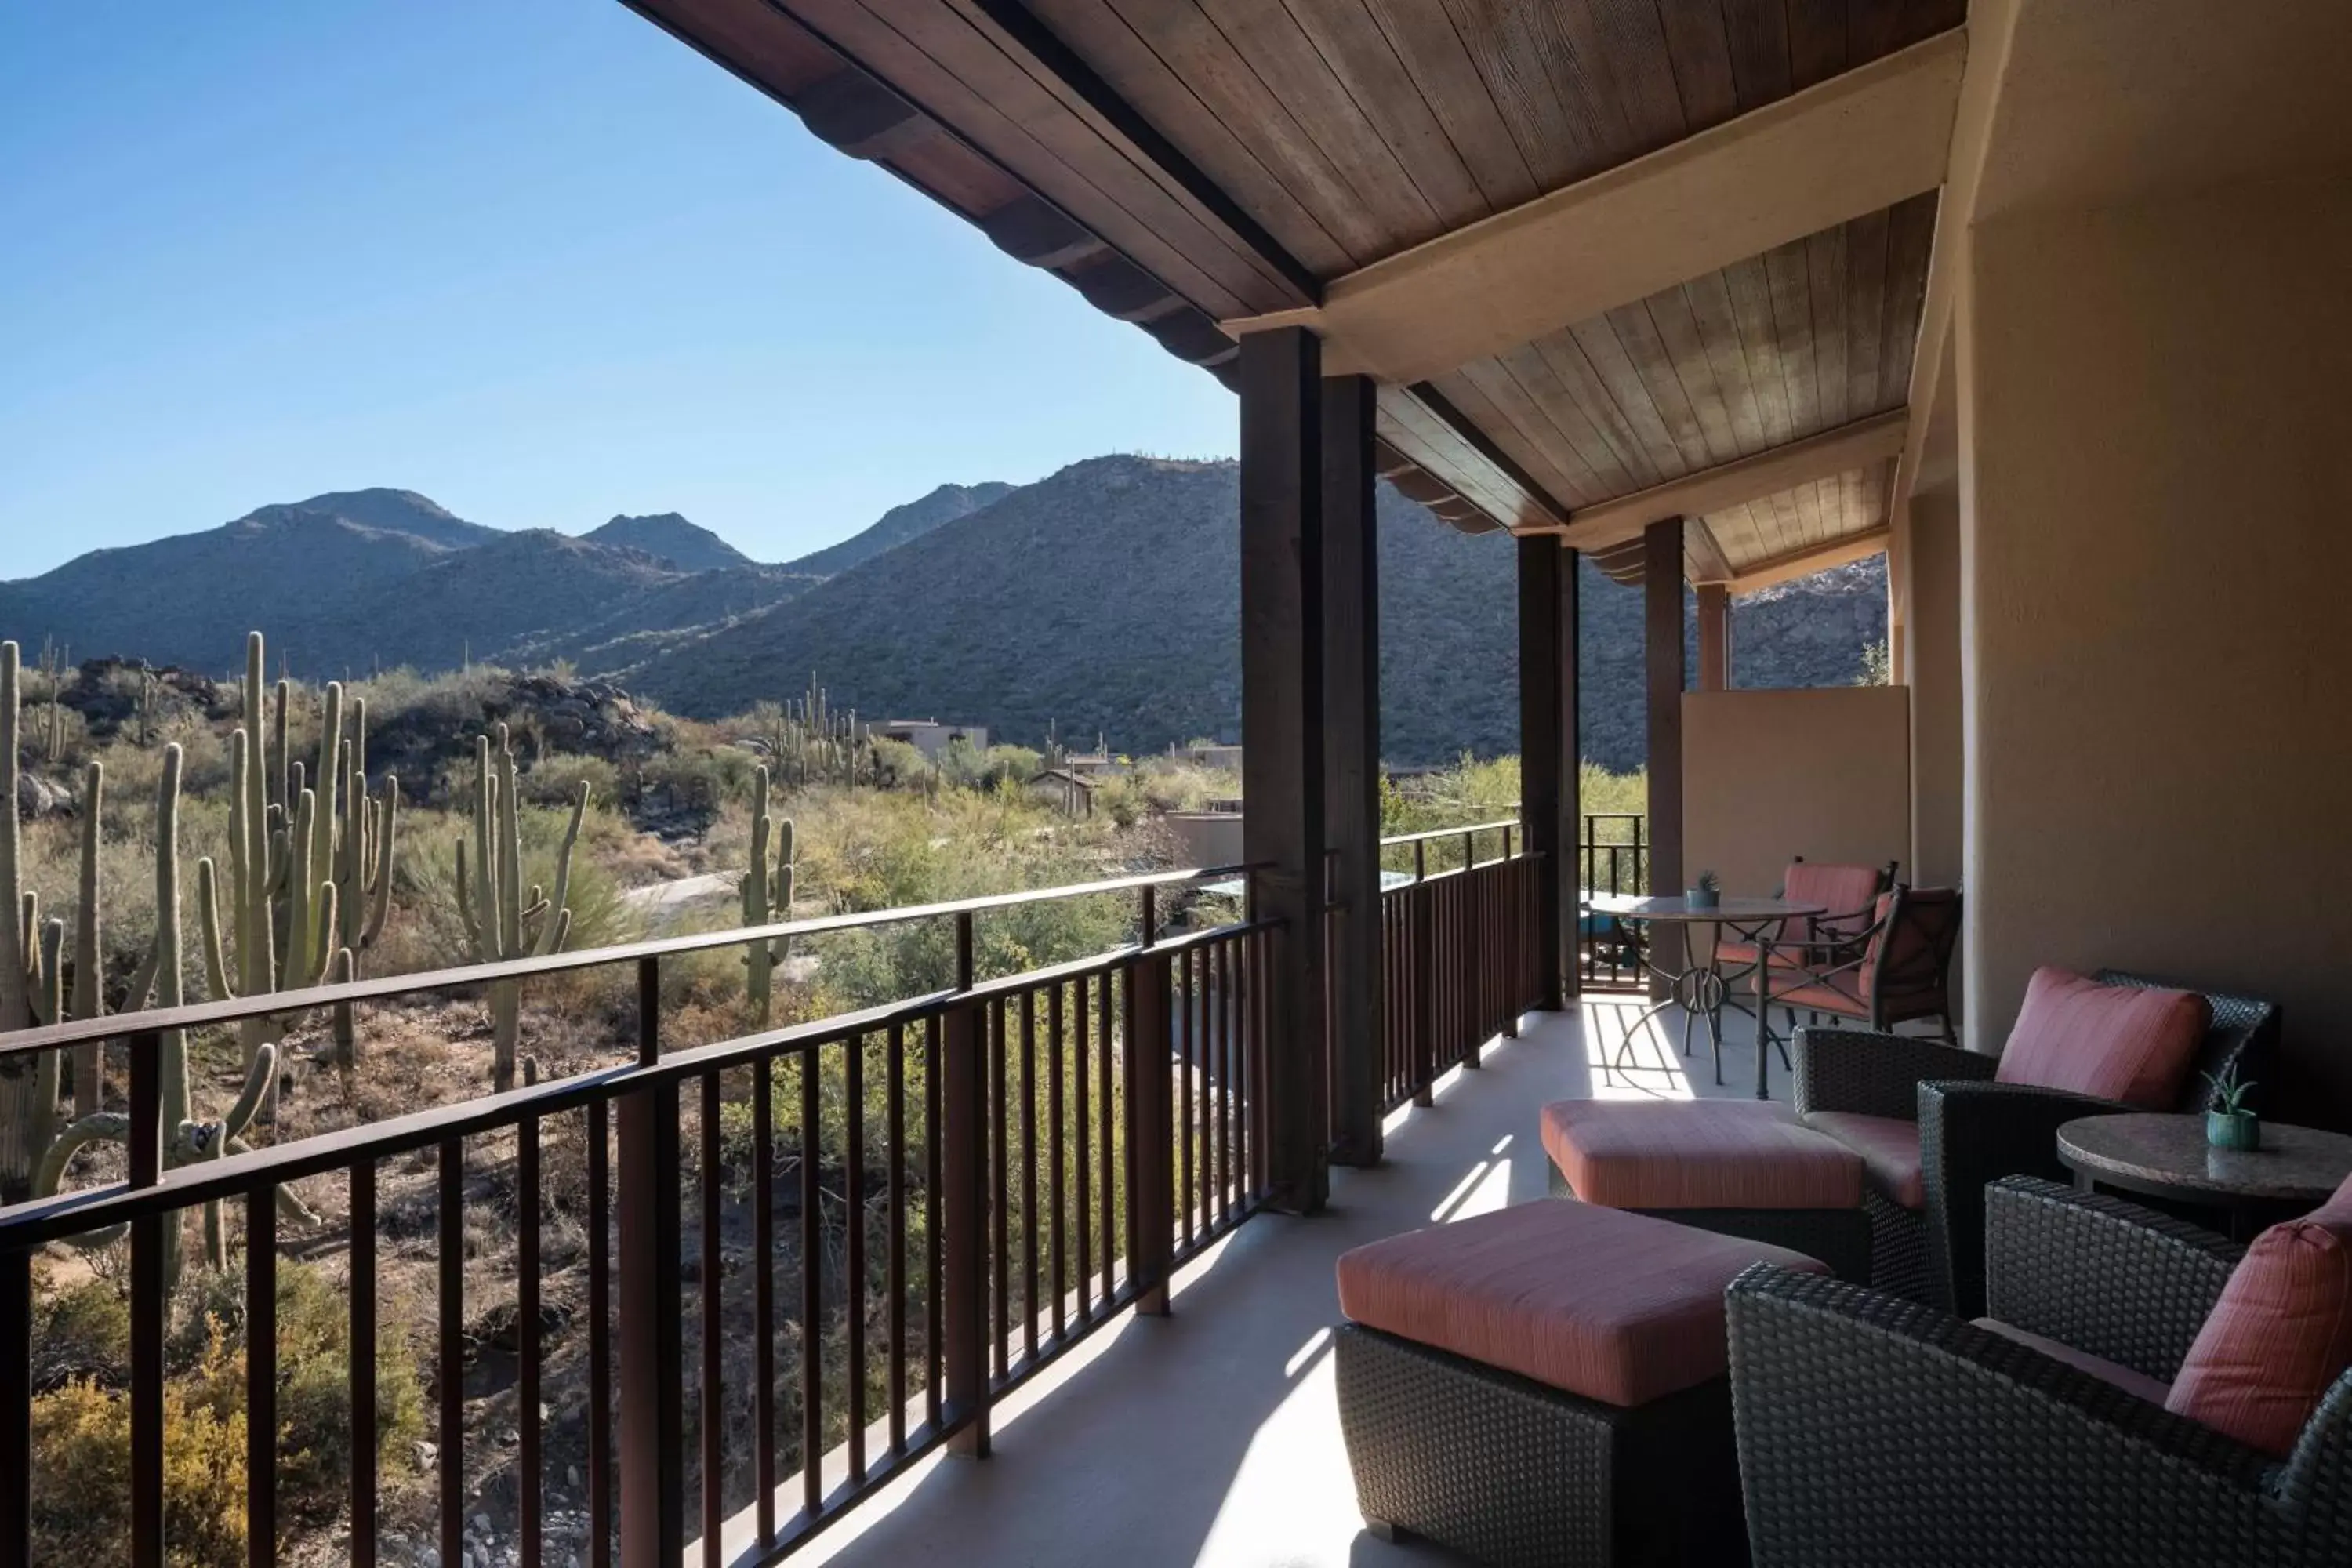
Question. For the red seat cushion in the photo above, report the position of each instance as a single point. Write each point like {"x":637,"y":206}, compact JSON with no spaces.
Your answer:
{"x":2280,"y":1335}
{"x":2129,"y":1043}
{"x":1621,"y":1308}
{"x":1846,"y":892}
{"x":1698,"y":1154}
{"x":2138,"y":1384}
{"x":1889,"y":1147}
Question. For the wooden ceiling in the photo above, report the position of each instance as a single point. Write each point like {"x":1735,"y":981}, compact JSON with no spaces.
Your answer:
{"x":1188,"y":163}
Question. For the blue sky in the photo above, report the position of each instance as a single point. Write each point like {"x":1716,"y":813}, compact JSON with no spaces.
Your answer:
{"x":532,"y":258}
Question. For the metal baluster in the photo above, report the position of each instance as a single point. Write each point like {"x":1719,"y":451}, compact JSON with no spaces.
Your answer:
{"x":261,"y":1376}
{"x":763,"y":1296}
{"x":360,"y":1368}
{"x":529,"y":1463}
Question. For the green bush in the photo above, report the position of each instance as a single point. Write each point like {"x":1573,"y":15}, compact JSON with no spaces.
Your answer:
{"x":81,"y":1426}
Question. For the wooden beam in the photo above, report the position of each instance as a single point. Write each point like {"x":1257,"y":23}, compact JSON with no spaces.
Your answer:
{"x":1433,"y":437}
{"x":1351,"y":765}
{"x":1663,"y":677}
{"x":1284,"y":828}
{"x":1991,"y":40}
{"x":1849,"y":446}
{"x":1853,"y":145}
{"x":1547,"y":772}
{"x":1706,"y":561}
{"x":1805,"y":564}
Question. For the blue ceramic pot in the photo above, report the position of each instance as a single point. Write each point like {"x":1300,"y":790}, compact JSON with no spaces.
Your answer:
{"x":1701,"y":898}
{"x":2238,"y":1129}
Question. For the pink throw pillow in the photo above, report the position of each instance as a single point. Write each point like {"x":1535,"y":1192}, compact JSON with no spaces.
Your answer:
{"x":2129,"y":1043}
{"x":2279,"y":1337}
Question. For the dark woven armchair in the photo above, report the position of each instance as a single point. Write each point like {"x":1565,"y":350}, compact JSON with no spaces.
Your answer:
{"x":1972,"y":1130}
{"x":1874,"y":1430}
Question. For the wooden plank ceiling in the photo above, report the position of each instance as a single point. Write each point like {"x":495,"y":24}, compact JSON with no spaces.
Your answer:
{"x":1187,"y":162}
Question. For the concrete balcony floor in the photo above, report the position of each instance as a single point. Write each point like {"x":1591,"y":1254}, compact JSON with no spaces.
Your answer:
{"x":1212,"y":1437}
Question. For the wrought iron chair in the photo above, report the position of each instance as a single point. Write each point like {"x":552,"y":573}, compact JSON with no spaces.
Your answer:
{"x":1849,"y":894}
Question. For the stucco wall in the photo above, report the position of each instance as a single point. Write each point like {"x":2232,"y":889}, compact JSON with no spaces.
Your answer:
{"x":1770,"y":775}
{"x":2157,"y":523}
{"x":1933,"y":649}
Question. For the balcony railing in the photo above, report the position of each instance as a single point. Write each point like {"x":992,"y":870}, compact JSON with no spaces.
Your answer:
{"x":1613,"y":856}
{"x":1458,"y":953}
{"x":1026,"y":1172}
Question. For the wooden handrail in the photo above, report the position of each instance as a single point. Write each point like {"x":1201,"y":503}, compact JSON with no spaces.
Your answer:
{"x":199,"y":1015}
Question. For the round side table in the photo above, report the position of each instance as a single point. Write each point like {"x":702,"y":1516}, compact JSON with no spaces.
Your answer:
{"x":2165,"y":1157}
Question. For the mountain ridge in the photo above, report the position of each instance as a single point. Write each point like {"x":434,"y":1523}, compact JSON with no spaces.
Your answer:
{"x":1103,"y":598}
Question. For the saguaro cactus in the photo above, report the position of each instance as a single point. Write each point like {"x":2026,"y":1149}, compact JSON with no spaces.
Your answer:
{"x":282,"y":893}
{"x":767,"y":897}
{"x":161,"y":978}
{"x":502,"y":922}
{"x":361,"y":857}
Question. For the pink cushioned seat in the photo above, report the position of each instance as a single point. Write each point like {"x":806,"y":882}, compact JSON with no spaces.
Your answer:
{"x":1619,"y":1308}
{"x":1889,"y":1147}
{"x":2129,"y":1043}
{"x":1697,"y":1153}
{"x":2281,"y":1334}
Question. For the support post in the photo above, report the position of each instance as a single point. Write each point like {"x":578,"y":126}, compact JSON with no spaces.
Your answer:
{"x":1283,"y":828}
{"x":1662,"y":624}
{"x":1351,"y":718}
{"x":963,"y":1210}
{"x":1151,"y":1056}
{"x":653,"y":1404}
{"x":1547,"y":755}
{"x":1713,"y":638}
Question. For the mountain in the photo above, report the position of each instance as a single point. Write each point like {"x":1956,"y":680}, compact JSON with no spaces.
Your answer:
{"x":378,"y":578}
{"x":191,"y":598}
{"x":1104,"y":597}
{"x":901,"y":524}
{"x":684,"y":545}
{"x":1107,"y":597}
{"x":402,"y":512}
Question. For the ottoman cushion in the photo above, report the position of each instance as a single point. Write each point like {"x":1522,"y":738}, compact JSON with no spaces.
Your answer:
{"x":1619,"y":1307}
{"x":1698,"y":1154}
{"x":1889,"y":1147}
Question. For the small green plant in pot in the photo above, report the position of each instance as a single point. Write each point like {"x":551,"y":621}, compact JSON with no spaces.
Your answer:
{"x":2229,"y":1120}
{"x":1705,"y":891}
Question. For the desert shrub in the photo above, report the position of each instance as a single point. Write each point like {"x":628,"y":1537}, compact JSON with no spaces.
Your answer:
{"x":555,"y":777}
{"x":81,"y":1426}
{"x":82,"y":1330}
{"x":81,"y":1478}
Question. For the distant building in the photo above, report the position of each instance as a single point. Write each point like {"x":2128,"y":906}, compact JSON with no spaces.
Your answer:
{"x":1064,"y":790}
{"x":1224,"y":759}
{"x":1093,"y":764}
{"x":1209,"y":837}
{"x":930,"y":737}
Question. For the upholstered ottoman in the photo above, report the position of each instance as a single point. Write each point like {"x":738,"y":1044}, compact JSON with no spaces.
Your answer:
{"x":1544,"y":1386}
{"x":1743,"y":1167}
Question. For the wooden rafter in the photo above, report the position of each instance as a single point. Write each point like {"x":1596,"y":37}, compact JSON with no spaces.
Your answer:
{"x":1858,"y":142}
{"x":1863,"y":442}
{"x":1805,"y":564}
{"x":1707,"y":562}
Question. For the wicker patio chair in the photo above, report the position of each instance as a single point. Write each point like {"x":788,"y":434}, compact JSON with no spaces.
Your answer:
{"x":1874,"y":1430}
{"x":1973,"y":1130}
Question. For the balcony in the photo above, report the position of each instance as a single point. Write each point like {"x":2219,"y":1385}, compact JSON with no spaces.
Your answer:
{"x":1214,"y":1435}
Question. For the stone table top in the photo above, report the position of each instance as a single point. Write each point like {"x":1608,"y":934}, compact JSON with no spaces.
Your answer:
{"x":2293,"y":1165}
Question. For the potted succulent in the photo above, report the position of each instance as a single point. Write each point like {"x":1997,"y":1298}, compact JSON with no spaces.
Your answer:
{"x":2230,"y":1124}
{"x":1705,"y":892}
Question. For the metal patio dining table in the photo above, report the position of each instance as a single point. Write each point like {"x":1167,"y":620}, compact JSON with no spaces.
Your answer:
{"x":1699,"y":986}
